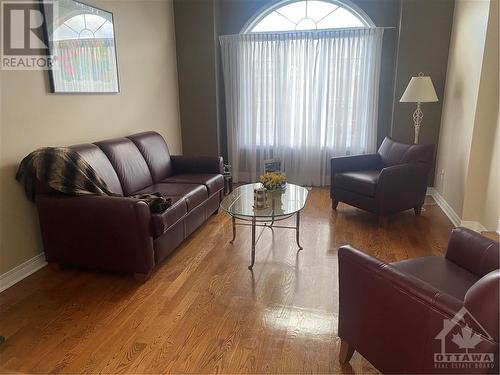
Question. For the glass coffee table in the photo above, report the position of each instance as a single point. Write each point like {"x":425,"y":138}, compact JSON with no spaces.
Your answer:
{"x":281,"y":205}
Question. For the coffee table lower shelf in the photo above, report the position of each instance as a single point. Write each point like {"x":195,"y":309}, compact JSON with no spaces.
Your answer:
{"x":265,"y":222}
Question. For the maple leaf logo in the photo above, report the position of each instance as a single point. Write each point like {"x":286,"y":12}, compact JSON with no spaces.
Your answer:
{"x":467,"y":340}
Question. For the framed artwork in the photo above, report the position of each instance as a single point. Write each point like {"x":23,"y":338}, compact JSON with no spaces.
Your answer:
{"x":82,"y":45}
{"x":272,"y":165}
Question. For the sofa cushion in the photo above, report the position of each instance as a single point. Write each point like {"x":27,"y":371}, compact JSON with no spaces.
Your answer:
{"x":193,"y":194}
{"x":162,"y":221}
{"x":440,"y":273}
{"x":154,"y":149}
{"x":101,"y":164}
{"x":361,"y":182}
{"x":213,"y":182}
{"x":128,"y":163}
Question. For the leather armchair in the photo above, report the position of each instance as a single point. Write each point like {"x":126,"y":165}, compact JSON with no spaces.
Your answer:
{"x":392,"y":180}
{"x":401,"y":315}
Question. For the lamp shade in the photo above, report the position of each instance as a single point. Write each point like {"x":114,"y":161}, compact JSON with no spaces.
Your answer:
{"x":419,"y":90}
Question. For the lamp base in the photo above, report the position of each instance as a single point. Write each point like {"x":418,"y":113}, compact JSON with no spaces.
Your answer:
{"x":418,"y":115}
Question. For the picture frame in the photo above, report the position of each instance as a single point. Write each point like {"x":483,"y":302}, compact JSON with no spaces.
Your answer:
{"x":82,"y":47}
{"x":272,"y":165}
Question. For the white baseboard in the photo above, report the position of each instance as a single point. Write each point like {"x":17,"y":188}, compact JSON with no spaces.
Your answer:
{"x":473,"y":225}
{"x":22,"y":271}
{"x":453,"y":216}
{"x":441,"y":202}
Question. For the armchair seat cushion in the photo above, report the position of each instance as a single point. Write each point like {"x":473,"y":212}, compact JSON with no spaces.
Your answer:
{"x":193,"y":194}
{"x":213,"y":182}
{"x":440,"y":273}
{"x":361,"y":182}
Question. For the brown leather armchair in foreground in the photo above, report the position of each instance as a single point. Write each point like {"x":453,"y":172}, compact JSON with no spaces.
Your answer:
{"x":423,"y":315}
{"x":392,"y":180}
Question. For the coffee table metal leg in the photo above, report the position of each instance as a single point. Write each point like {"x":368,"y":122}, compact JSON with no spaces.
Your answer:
{"x":253,"y":244}
{"x":234,"y":229}
{"x":297,"y":230}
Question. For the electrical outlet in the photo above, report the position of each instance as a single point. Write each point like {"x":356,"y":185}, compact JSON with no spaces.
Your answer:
{"x":441,"y":176}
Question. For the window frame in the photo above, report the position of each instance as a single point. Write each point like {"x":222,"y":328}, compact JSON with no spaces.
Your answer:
{"x":268,"y":9}
{"x":63,"y":23}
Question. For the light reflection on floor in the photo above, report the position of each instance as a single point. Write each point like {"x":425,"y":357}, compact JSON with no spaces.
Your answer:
{"x":301,"y":321}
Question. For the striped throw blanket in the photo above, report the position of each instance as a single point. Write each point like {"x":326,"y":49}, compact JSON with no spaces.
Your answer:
{"x":64,"y":170}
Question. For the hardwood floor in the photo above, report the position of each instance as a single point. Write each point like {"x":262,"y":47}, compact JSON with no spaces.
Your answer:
{"x":203,"y":311}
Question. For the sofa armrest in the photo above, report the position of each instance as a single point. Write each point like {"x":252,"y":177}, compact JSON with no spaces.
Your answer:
{"x":111,"y":233}
{"x":197,"y":164}
{"x":475,"y":253}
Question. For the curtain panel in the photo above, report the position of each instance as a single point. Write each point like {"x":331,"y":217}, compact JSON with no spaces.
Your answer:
{"x":302,"y":97}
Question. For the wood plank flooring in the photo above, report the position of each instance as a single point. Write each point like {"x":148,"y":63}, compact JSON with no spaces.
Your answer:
{"x":203,"y":311}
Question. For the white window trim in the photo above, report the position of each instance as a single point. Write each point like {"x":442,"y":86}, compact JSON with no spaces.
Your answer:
{"x":266,"y":10}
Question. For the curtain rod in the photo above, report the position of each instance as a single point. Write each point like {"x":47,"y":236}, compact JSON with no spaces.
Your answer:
{"x":312,"y":31}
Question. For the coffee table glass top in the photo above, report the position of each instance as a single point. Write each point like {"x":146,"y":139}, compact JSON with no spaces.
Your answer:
{"x":280,"y":203}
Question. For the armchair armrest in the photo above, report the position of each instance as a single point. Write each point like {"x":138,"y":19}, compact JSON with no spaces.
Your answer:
{"x":353,"y":163}
{"x":111,"y":233}
{"x":482,"y":300}
{"x":389,"y":317}
{"x":474,"y":252}
{"x":401,"y":187}
{"x":412,"y":176}
{"x":197,"y":164}
{"x":376,"y":271}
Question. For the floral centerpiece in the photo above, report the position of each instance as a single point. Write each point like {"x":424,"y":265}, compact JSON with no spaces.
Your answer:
{"x":273,"y":180}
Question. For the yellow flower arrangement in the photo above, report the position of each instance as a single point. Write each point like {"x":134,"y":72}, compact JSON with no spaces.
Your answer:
{"x":273,"y":180}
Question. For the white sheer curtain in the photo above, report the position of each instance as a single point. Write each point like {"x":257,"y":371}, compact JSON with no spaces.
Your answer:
{"x":302,"y":97}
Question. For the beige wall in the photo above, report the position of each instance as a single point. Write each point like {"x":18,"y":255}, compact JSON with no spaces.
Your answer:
{"x":31,"y":117}
{"x":470,"y":113}
{"x":489,"y":216}
{"x":480,"y":200}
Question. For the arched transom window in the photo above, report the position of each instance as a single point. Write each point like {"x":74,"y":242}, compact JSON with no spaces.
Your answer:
{"x":84,"y":26}
{"x":296,"y":15}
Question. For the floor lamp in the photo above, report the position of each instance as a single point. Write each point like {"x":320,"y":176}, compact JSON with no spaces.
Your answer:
{"x":420,"y":90}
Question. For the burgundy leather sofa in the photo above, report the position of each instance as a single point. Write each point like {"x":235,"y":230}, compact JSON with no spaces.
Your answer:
{"x":120,"y":233}
{"x":392,"y":180}
{"x":394,"y":314}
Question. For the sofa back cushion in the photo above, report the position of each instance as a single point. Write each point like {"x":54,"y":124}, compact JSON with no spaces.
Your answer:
{"x":103,"y":168}
{"x":128,"y":162}
{"x":154,"y":149}
{"x":394,"y":153}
